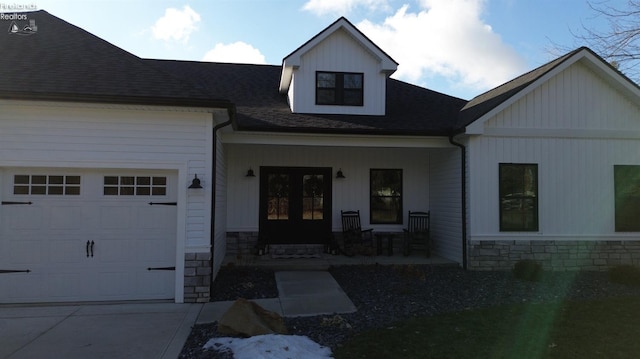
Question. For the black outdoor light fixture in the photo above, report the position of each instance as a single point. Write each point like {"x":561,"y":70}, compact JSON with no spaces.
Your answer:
{"x":195,"y":183}
{"x":339,"y":174}
{"x":250,"y":173}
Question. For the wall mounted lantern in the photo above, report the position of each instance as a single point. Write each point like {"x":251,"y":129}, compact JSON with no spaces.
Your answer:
{"x":339,"y":174}
{"x":195,"y":183}
{"x":250,"y":173}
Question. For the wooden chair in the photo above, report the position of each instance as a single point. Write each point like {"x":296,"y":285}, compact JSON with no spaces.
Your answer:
{"x":354,"y":237}
{"x":417,"y":235}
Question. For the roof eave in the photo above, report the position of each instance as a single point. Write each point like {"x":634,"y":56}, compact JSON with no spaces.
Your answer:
{"x":292,"y":61}
{"x":121,"y":100}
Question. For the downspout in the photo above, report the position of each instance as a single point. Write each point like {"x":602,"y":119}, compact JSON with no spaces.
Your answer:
{"x":231,"y":112}
{"x":464,"y":197}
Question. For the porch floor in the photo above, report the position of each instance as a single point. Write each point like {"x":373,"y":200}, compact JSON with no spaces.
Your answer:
{"x":328,"y":260}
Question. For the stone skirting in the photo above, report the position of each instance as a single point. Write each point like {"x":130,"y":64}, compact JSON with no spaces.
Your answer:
{"x":242,"y":243}
{"x":553,"y":254}
{"x":197,"y":277}
{"x":296,"y":250}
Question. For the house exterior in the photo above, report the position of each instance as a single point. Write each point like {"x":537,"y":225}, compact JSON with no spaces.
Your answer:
{"x":564,"y":139}
{"x":124,"y":178}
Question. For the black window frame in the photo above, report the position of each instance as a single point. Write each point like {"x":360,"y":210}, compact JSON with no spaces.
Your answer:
{"x":375,"y":199}
{"x":626,"y":182}
{"x":519,"y":198}
{"x":341,"y":93}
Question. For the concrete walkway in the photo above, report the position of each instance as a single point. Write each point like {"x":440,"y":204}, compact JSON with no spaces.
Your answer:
{"x":301,"y":293}
{"x":130,"y":330}
{"x":147,"y":330}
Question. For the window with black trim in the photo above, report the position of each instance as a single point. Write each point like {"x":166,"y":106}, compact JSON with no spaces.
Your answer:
{"x":339,"y":88}
{"x":518,"y":197}
{"x":135,"y":186}
{"x":626,"y":180}
{"x":46,"y":185}
{"x":386,"y":196}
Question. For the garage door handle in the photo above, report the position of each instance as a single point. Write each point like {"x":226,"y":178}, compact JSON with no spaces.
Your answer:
{"x":90,"y":248}
{"x":162,"y":268}
{"x":15,"y":271}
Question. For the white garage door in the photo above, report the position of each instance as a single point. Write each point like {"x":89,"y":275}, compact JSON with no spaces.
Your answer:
{"x":78,"y":235}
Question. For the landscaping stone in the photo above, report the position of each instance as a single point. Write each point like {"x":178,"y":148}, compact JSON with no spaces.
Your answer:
{"x":246,"y":318}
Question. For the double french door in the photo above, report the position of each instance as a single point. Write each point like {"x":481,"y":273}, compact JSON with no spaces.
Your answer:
{"x":295,"y":204}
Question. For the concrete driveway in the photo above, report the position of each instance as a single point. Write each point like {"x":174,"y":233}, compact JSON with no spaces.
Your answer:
{"x":127,"y":330}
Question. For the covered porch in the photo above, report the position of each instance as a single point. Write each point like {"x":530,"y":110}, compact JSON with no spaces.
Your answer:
{"x":429,"y":180}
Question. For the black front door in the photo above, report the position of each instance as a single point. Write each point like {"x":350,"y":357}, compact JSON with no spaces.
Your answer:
{"x":295,"y":204}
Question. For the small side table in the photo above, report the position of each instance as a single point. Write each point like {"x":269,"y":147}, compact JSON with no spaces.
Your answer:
{"x":379,"y":240}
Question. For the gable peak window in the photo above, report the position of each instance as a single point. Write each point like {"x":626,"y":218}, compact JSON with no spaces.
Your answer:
{"x":339,"y":88}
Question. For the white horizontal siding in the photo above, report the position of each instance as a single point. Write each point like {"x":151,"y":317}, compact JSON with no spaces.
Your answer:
{"x":339,"y":53}
{"x":351,"y":193}
{"x":579,"y":128}
{"x":33,"y":134}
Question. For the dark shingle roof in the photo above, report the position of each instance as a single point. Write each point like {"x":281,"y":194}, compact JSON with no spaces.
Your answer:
{"x":260,"y":107}
{"x":62,"y":61}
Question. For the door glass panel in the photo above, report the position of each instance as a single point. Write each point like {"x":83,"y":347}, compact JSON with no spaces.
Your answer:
{"x":278,"y":197}
{"x":312,"y":197}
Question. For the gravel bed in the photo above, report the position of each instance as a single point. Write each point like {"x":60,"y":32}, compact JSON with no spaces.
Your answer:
{"x":386,"y":294}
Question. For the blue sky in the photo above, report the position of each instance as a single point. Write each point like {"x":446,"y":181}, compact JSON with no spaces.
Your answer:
{"x":458,"y":47}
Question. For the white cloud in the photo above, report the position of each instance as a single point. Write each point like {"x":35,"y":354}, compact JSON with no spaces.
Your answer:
{"x":342,"y":7}
{"x":237,"y":52}
{"x":176,"y":24}
{"x":446,"y":38}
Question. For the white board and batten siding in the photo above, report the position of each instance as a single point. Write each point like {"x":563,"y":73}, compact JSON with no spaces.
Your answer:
{"x":125,"y":139}
{"x":338,"y":53}
{"x":575,"y":127}
{"x":221,"y":203}
{"x":445,"y":189}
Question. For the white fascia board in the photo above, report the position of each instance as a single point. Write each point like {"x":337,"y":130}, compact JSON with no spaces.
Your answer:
{"x":110,"y":106}
{"x":611,"y":76}
{"x":335,"y":140}
{"x":585,"y":57}
{"x":477,"y":127}
{"x":388,"y":65}
{"x":285,"y":77}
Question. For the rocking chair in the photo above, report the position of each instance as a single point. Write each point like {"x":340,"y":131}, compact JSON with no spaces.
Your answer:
{"x":354,"y":237}
{"x":417,"y":235}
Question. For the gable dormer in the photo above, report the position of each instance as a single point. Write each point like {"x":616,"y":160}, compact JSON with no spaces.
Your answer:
{"x":339,"y":71}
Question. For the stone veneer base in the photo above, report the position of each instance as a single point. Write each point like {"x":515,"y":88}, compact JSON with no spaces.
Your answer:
{"x":596,"y":255}
{"x":197,"y":277}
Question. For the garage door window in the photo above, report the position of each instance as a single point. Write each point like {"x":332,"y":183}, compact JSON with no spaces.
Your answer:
{"x":135,"y":186}
{"x":46,"y":185}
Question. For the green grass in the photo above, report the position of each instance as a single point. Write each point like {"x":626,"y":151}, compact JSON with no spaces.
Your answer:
{"x":595,"y":329}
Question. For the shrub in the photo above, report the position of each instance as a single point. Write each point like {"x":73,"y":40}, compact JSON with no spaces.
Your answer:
{"x":625,"y":274}
{"x":527,"y":269}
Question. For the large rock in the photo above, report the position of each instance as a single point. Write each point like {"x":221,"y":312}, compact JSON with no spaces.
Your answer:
{"x":246,"y":318}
